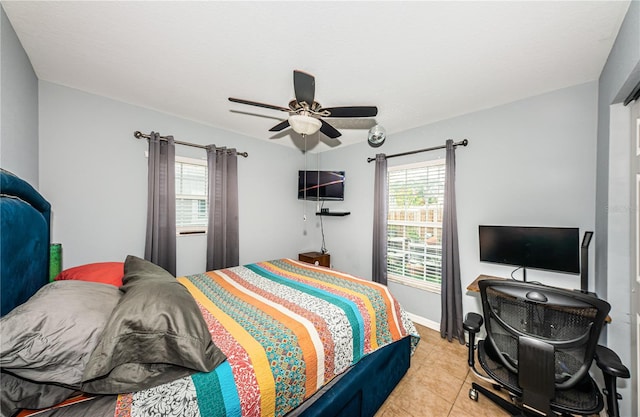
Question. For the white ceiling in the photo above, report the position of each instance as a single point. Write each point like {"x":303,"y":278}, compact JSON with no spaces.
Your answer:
{"x":419,"y":62}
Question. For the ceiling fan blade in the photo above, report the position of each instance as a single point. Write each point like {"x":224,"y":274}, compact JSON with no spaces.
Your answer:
{"x":354,"y":111}
{"x":329,"y":130}
{"x":280,"y":126}
{"x":255,"y":103}
{"x":305,"y":87}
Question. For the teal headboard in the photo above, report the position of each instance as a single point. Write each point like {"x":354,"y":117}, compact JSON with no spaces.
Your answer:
{"x":24,"y":241}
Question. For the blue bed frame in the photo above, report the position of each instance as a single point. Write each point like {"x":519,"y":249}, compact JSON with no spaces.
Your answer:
{"x":24,"y":241}
{"x":363,"y":389}
{"x":24,"y":268}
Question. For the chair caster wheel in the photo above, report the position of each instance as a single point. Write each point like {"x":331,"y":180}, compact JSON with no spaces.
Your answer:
{"x":473,"y":394}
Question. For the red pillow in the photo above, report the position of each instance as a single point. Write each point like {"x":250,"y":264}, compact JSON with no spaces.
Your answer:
{"x":104,"y":272}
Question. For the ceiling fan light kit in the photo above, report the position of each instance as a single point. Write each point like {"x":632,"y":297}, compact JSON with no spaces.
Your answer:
{"x":303,"y":124}
{"x":306,"y":114}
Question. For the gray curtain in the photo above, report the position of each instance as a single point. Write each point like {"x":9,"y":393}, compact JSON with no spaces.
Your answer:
{"x":222,"y":234}
{"x":451,"y":293}
{"x":160,"y":245}
{"x":380,"y":208}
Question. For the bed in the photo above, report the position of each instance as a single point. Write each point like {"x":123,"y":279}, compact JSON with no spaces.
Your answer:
{"x":273,"y":338}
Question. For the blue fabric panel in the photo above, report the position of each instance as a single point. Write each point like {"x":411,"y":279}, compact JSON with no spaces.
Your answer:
{"x":375,"y":376}
{"x":24,"y":241}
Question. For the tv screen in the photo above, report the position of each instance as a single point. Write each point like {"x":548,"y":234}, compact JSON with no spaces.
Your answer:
{"x":550,"y":248}
{"x":321,"y":185}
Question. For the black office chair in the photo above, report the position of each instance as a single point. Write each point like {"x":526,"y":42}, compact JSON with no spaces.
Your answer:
{"x":540,"y":344}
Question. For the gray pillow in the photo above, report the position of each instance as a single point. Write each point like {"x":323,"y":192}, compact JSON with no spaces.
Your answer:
{"x":156,"y":334}
{"x":49,"y":338}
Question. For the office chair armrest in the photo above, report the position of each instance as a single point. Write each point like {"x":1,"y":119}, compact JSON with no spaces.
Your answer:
{"x":612,"y":368}
{"x":610,"y":363}
{"x":472,"y":322}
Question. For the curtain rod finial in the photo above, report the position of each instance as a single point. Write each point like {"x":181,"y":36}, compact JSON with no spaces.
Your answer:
{"x":137,"y":134}
{"x":465,"y":142}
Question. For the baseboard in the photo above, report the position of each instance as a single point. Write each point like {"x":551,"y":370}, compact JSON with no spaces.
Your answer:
{"x":433,"y":325}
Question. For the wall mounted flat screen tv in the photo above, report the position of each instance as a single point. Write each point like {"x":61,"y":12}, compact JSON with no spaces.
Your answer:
{"x":321,"y":185}
{"x":549,"y":248}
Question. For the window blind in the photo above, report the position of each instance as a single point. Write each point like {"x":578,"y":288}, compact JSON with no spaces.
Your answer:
{"x":416,"y":208}
{"x":191,"y":196}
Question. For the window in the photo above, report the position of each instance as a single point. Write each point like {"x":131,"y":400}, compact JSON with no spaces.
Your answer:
{"x":191,"y":195}
{"x":414,"y":231}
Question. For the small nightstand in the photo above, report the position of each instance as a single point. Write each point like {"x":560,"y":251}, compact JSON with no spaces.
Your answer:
{"x":316,"y":258}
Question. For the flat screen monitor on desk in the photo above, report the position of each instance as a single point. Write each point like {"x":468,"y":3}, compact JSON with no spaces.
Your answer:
{"x":549,"y":248}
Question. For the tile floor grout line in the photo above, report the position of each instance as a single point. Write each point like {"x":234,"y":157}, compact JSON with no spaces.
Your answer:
{"x":430,"y":346}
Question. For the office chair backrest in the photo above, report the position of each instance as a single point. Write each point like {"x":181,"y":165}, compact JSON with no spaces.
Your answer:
{"x":568,"y":321}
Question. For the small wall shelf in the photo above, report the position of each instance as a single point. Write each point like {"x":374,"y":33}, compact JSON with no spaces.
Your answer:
{"x":333,"y":213}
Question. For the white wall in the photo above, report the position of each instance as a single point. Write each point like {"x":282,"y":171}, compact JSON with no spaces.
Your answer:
{"x":94,"y":173}
{"x":530,"y":163}
{"x":18,"y":107}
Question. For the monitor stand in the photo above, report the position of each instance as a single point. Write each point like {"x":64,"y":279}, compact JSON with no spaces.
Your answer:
{"x":584,"y":262}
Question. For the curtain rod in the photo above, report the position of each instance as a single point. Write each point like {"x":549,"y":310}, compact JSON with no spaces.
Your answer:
{"x":463,"y":142}
{"x":140,"y":135}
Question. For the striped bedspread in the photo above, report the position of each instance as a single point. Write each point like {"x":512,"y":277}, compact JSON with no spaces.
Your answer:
{"x":287,"y":329}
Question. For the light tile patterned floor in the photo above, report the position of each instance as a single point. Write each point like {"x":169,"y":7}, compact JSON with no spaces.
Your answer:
{"x":437,"y":384}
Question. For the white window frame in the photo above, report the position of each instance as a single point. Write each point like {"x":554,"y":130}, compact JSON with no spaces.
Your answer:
{"x":401,"y":279}
{"x":190,"y":230}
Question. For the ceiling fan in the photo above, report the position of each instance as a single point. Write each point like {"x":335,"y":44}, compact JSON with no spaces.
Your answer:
{"x":305,"y":114}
